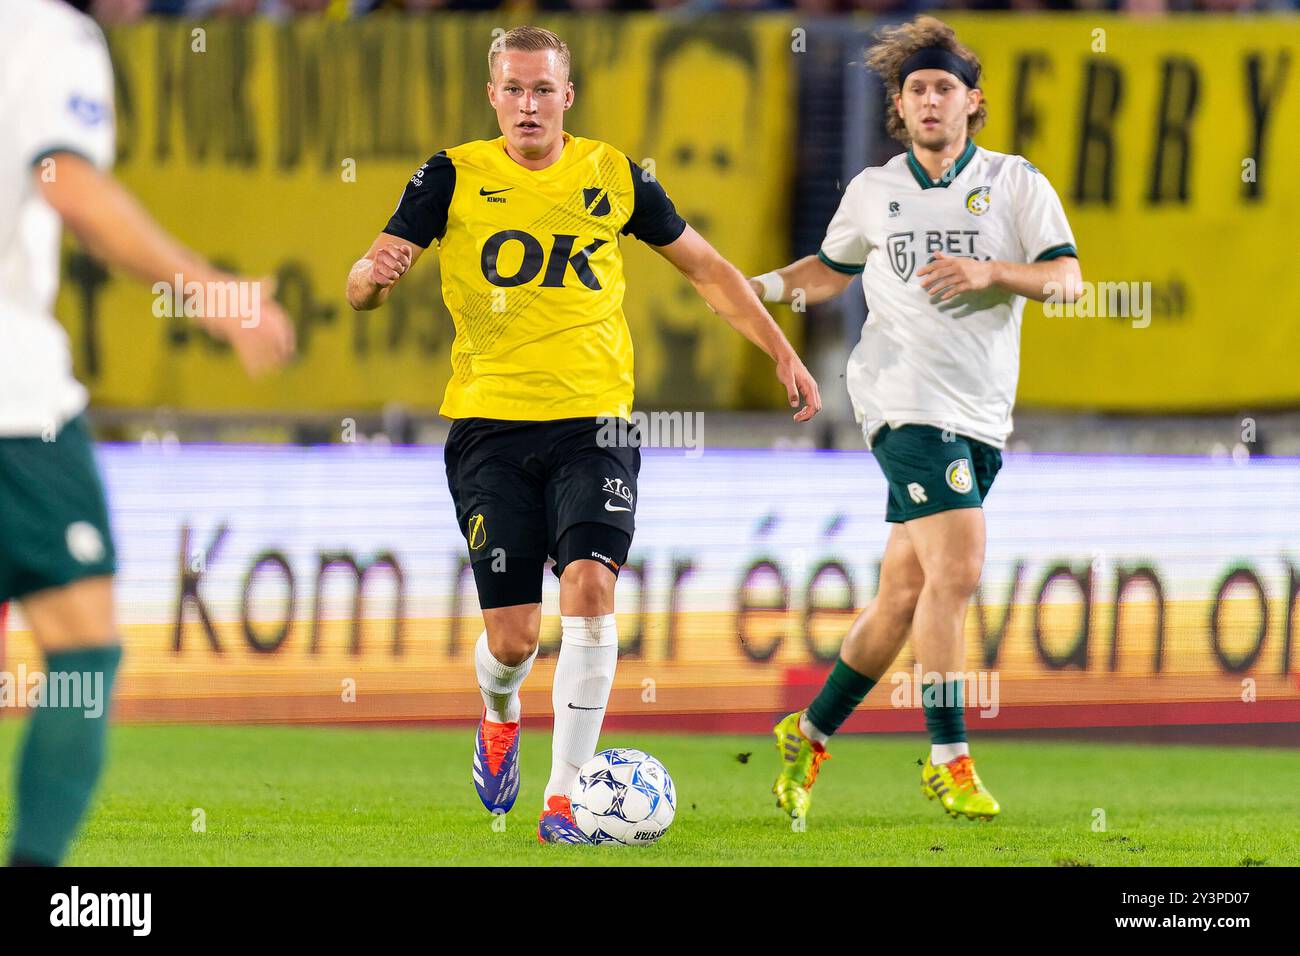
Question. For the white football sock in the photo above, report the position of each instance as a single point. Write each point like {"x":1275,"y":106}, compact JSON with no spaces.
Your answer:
{"x":584,"y":674}
{"x":946,"y":753}
{"x":809,"y":730}
{"x":499,"y":683}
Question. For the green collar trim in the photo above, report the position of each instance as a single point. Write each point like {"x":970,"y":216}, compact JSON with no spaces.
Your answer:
{"x":923,"y":178}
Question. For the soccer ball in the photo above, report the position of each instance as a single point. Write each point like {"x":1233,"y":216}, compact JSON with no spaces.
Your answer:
{"x":624,"y":796}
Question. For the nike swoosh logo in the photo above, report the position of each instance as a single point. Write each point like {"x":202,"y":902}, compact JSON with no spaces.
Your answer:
{"x":610,"y":506}
{"x":576,"y":707}
{"x":492,"y":192}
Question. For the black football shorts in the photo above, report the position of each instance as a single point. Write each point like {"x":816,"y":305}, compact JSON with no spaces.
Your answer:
{"x":524,"y":491}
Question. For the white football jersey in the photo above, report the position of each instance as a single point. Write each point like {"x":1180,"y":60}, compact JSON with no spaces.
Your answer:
{"x":952,"y":365}
{"x":56,"y":97}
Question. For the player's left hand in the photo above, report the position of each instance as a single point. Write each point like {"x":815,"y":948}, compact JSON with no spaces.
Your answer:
{"x":799,"y":383}
{"x":953,"y":275}
{"x":263,"y":341}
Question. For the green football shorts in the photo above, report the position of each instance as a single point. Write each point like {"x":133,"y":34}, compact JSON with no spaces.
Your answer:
{"x":927,"y":474}
{"x":53,"y":516}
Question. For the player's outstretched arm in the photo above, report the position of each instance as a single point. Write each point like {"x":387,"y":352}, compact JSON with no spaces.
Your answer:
{"x":817,"y":281}
{"x":1060,"y":277}
{"x":729,"y":294}
{"x":947,"y":276}
{"x":374,"y":274}
{"x":114,"y":227}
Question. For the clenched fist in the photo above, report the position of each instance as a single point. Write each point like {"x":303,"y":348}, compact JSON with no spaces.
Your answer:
{"x":389,"y":265}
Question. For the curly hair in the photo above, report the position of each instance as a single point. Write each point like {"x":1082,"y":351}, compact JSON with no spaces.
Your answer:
{"x":895,"y":44}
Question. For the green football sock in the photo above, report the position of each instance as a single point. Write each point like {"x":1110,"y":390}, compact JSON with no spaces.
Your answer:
{"x":842,"y":692}
{"x":945,"y":721}
{"x":62,"y":755}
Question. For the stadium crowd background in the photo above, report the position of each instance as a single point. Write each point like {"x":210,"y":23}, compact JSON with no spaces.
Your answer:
{"x":126,"y":10}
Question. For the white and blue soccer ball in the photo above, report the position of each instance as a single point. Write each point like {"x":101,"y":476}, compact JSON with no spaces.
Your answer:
{"x":624,"y":796}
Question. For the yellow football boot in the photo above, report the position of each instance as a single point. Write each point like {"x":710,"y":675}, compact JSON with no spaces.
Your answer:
{"x":801,"y":759}
{"x":959,"y":789}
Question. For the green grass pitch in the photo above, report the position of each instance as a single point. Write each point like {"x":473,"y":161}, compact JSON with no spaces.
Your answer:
{"x":329,"y":796}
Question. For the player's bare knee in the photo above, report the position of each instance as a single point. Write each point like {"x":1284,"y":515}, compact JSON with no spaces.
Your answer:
{"x":897,"y":600}
{"x":958,"y":576}
{"x":906,"y":598}
{"x":513,"y":646}
{"x":513,"y":632}
{"x":587,"y":587}
{"x":72,"y":617}
{"x":53,"y":643}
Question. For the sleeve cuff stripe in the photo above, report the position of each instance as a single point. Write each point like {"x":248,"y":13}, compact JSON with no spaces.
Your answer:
{"x":53,"y":150}
{"x":843,"y":267}
{"x":1057,"y":251}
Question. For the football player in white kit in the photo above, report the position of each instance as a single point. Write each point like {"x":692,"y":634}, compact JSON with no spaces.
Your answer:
{"x":950,"y":239}
{"x":56,"y":547}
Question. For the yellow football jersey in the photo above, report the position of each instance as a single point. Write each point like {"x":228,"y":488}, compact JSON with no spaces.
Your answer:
{"x":532,"y":274}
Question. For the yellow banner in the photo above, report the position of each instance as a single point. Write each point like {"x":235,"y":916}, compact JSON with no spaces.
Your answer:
{"x":282,"y":149}
{"x":1169,"y":141}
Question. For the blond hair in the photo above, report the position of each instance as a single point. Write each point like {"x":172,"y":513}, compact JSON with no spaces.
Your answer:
{"x":895,"y":44}
{"x":527,"y":39}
